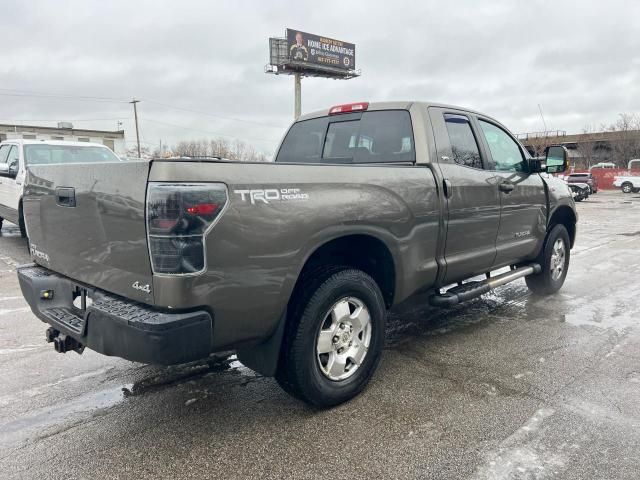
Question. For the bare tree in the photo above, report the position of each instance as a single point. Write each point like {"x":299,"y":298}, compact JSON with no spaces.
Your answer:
{"x":626,"y":145}
{"x":239,"y":150}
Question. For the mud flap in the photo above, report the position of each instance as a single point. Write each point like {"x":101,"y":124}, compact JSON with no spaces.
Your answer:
{"x":263,"y":357}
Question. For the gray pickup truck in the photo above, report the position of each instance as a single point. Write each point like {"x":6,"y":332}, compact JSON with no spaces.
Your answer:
{"x":293,"y":264}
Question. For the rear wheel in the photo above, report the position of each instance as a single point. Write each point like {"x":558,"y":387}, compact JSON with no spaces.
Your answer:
{"x":333,"y":339}
{"x":554,"y":260}
{"x":21,"y":224}
{"x":627,"y":187}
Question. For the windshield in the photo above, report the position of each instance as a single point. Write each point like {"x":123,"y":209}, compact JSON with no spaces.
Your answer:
{"x":55,"y":154}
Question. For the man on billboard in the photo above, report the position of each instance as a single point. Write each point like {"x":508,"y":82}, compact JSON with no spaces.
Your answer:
{"x":298,"y":52}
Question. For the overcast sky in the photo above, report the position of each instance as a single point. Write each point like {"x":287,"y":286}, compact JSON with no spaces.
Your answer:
{"x":579,"y":60}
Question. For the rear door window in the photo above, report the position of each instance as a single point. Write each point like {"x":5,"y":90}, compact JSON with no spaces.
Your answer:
{"x":464,"y":146}
{"x":373,"y":137}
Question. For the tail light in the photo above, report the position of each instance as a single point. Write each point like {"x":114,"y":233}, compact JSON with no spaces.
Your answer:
{"x":179,"y":215}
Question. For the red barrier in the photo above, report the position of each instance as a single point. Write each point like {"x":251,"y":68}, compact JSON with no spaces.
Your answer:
{"x":606,"y":176}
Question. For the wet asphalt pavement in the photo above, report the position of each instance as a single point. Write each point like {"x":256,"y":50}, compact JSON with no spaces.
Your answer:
{"x":506,"y":386}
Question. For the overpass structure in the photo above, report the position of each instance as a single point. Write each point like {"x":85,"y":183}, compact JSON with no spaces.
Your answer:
{"x":587,"y":149}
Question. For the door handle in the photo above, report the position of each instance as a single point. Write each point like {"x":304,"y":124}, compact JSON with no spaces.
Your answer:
{"x":447,"y":187}
{"x":66,"y":196}
{"x":506,"y":187}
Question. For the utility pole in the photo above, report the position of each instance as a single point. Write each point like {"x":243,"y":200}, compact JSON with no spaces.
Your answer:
{"x":298,"y":95}
{"x":543,"y":122}
{"x":135,"y":114}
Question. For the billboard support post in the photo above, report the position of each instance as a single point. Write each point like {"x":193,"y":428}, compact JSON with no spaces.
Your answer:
{"x":304,"y":54}
{"x":298,"y":96}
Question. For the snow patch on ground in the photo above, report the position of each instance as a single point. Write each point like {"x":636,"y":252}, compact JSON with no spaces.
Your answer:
{"x":523,"y":454}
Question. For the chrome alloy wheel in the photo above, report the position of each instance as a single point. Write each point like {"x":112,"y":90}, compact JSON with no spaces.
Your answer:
{"x":343,"y":339}
{"x":557,"y":259}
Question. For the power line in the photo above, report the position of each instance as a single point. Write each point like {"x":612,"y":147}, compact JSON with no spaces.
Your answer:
{"x":207,"y":131}
{"x":222,"y":117}
{"x":64,"y":119}
{"x":28,"y":93}
{"x":8,"y":92}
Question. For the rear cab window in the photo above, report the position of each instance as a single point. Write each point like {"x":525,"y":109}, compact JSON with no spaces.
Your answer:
{"x":43,"y":154}
{"x":382,"y":136}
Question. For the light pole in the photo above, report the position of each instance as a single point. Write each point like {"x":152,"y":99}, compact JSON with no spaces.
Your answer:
{"x":135,"y":114}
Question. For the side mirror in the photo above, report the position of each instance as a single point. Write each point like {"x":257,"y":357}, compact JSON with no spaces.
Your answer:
{"x":9,"y":170}
{"x":536,"y":165}
{"x":13,"y":168}
{"x":557,"y":159}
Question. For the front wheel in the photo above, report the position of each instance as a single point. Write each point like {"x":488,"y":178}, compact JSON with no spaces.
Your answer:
{"x":554,"y":260}
{"x":627,"y":187}
{"x":333,"y":339}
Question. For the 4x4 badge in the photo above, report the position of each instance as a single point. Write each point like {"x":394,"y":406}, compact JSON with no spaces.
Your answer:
{"x":143,"y":288}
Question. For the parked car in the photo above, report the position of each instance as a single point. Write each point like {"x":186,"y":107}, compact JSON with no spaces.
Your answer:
{"x":580,"y":191}
{"x":587,"y":178}
{"x":627,"y":183}
{"x":17,"y":155}
{"x":294,"y":263}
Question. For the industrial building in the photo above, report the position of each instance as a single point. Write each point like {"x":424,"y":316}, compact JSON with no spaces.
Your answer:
{"x":65,"y":131}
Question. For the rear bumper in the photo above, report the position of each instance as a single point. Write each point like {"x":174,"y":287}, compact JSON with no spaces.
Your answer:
{"x":115,"y":326}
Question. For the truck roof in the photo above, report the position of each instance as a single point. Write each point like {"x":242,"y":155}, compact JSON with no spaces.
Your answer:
{"x":23,"y":141}
{"x":393,"y":105}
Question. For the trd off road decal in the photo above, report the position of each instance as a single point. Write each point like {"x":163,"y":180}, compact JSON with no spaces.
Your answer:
{"x":270,"y":195}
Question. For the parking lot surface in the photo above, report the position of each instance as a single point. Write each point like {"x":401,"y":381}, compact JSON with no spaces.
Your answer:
{"x":506,"y":386}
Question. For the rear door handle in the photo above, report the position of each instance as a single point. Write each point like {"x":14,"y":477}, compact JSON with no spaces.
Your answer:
{"x":506,"y":187}
{"x":446,"y":183}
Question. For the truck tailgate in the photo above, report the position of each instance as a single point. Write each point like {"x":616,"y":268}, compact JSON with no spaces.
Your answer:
{"x":87,"y":222}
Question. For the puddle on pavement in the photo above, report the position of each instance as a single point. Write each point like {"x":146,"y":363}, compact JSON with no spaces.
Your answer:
{"x":178,"y":374}
{"x":603,"y":315}
{"x":34,"y":424}
{"x":418,"y":318}
{"x":53,"y":419}
{"x":9,"y":230}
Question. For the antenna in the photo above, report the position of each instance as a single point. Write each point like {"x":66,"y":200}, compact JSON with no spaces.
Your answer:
{"x":542,"y":116}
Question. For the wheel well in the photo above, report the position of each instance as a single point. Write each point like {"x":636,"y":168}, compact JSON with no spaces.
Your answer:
{"x":567,"y":217}
{"x":363,"y":252}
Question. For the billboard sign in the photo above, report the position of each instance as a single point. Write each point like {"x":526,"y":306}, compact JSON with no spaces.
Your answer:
{"x":315,"y":50}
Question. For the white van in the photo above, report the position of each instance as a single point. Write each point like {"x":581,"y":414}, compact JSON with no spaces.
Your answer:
{"x":15,"y":156}
{"x":603,"y":165}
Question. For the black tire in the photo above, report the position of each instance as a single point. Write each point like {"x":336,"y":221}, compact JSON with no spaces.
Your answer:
{"x":299,"y":372}
{"x":1,"y":220}
{"x":544,"y":282}
{"x":627,"y":187}
{"x":21,"y":225}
